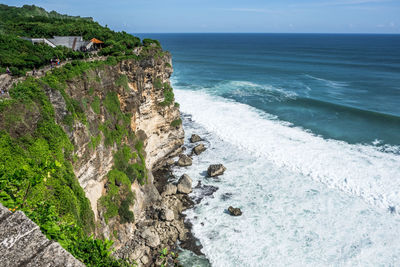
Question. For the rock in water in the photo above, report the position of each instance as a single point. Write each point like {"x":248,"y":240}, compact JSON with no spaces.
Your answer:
{"x":185,"y":184}
{"x":184,"y":160}
{"x":215,"y":170}
{"x":199,"y":149}
{"x":234,"y":211}
{"x":195,"y":138}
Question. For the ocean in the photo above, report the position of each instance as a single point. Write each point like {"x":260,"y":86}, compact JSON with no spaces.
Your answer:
{"x":308,"y":126}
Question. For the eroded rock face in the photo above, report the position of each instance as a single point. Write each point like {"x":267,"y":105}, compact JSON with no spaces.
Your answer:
{"x":216,"y":170}
{"x":184,"y":160}
{"x":199,"y":149}
{"x":185,"y":184}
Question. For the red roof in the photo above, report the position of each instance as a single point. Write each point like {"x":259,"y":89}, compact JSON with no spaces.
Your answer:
{"x":96,"y":41}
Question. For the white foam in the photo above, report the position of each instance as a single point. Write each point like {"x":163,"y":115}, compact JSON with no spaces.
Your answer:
{"x":288,"y":219}
{"x":359,"y":170}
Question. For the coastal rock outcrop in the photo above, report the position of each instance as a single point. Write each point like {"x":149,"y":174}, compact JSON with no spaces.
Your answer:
{"x":184,"y":160}
{"x":216,"y":170}
{"x":195,"y":138}
{"x":185,"y":184}
{"x":199,"y":149}
{"x":234,"y":211}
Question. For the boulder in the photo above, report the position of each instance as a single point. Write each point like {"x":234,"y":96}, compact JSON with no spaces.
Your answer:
{"x":234,"y":211}
{"x":185,"y":184}
{"x":169,"y":189}
{"x":215,"y":170}
{"x":199,"y":149}
{"x":195,"y":138}
{"x":152,"y":239}
{"x":184,"y":160}
{"x":167,"y":215}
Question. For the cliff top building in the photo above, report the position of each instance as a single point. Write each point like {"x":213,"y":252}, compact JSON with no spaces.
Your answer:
{"x":75,"y":43}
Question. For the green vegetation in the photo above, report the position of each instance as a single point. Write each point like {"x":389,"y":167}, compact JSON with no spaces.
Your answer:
{"x":116,"y":128}
{"x":36,"y":174}
{"x":96,"y":104}
{"x":32,"y":21}
{"x":169,"y":258}
{"x":151,"y":42}
{"x":158,"y":83}
{"x":36,"y":155}
{"x":94,"y":141}
{"x":126,"y":216}
{"x":168,"y":95}
{"x":118,"y":187}
{"x":176,"y":123}
{"x":119,"y":195}
{"x":123,"y":81}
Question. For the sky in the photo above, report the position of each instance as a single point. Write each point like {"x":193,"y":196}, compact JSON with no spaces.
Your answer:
{"x":270,"y":16}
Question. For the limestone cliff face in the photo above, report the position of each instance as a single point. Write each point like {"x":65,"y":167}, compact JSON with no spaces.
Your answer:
{"x":137,"y":86}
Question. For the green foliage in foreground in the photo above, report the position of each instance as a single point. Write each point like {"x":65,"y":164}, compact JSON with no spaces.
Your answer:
{"x":36,"y":174}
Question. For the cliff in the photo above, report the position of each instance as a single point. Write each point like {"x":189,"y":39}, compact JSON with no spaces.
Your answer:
{"x":101,"y":128}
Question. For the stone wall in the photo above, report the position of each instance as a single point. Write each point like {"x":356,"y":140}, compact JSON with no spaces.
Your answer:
{"x":23,"y":244}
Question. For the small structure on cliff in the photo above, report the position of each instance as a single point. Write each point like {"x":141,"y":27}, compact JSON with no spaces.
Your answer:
{"x":75,"y":43}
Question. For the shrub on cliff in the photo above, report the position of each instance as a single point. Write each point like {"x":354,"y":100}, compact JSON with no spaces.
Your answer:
{"x":168,"y":95}
{"x":151,"y":42}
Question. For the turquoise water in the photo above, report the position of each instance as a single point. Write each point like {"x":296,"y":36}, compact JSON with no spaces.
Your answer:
{"x":345,"y":87}
{"x":308,"y":127}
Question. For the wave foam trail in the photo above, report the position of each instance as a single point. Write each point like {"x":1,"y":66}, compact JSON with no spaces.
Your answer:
{"x":333,"y":84}
{"x":359,"y":170}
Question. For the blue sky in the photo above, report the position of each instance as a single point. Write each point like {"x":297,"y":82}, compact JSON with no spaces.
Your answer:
{"x":295,"y":16}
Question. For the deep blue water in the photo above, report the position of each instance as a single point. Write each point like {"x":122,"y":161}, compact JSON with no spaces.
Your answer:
{"x":344,"y":87}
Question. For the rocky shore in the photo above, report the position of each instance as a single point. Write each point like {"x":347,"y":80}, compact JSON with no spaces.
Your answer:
{"x":162,"y":226}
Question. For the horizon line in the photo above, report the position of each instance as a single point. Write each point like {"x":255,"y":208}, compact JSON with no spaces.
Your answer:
{"x":325,"y":33}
